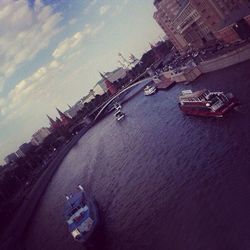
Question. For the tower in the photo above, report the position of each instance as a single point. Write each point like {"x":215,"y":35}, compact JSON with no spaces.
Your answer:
{"x":110,"y":86}
{"x":53,"y":124}
{"x":65,"y":120}
{"x":123,"y":61}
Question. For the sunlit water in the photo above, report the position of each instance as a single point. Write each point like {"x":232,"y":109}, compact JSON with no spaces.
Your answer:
{"x":163,"y":180}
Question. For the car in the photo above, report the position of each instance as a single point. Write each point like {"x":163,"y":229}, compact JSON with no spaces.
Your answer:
{"x":195,"y":54}
{"x":219,"y":47}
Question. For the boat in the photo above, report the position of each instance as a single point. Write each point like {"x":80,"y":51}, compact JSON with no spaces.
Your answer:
{"x":206,"y":103}
{"x":149,"y":90}
{"x":117,"y":106}
{"x":119,"y":115}
{"x":81,"y":215}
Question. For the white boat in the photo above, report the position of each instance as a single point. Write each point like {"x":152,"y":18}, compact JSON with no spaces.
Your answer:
{"x":119,"y":115}
{"x":81,"y":215}
{"x":117,"y":106}
{"x":149,"y":90}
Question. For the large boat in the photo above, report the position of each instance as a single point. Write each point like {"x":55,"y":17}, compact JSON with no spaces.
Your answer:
{"x":119,"y":115}
{"x":81,"y":215}
{"x":206,"y":103}
{"x":149,"y":90}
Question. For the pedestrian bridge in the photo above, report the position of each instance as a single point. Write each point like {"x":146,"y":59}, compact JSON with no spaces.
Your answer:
{"x":101,"y":111}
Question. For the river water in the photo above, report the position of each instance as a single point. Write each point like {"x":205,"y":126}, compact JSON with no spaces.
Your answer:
{"x":163,"y":180}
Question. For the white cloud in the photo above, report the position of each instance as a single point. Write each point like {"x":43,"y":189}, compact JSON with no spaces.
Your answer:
{"x":88,"y":8}
{"x":119,"y":7}
{"x":24,"y":32}
{"x":104,"y":9}
{"x":69,"y":43}
{"x":72,"y":21}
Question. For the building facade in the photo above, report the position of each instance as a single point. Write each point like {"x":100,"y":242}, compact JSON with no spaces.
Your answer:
{"x":228,"y":20}
{"x":108,"y":79}
{"x":164,"y":15}
{"x":23,"y":149}
{"x":39,"y":136}
{"x":10,"y":158}
{"x":197,"y":23}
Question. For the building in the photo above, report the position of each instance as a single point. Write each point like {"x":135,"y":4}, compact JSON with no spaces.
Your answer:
{"x":39,"y":136}
{"x":10,"y":158}
{"x":65,"y":120}
{"x":166,"y":11}
{"x":227,"y":20}
{"x":23,"y":150}
{"x":197,"y":23}
{"x":58,"y":124}
{"x":192,"y":28}
{"x":107,"y":83}
{"x":72,"y":111}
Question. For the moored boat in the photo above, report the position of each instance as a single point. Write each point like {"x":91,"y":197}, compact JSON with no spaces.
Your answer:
{"x":206,"y":103}
{"x":149,"y":90}
{"x":119,"y":115}
{"x":81,"y":215}
{"x":117,"y":106}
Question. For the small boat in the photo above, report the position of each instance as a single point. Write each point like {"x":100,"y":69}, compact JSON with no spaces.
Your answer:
{"x":117,"y":106}
{"x":206,"y":103}
{"x":119,"y":115}
{"x":81,"y":215}
{"x":149,"y":90}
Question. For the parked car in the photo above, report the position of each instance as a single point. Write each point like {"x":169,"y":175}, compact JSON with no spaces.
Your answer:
{"x":195,"y":54}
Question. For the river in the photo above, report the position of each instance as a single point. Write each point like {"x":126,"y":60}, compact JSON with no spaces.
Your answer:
{"x":163,"y":180}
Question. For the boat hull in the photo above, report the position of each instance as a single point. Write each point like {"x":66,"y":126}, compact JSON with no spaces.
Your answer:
{"x":207,"y":113}
{"x":86,"y":238}
{"x":82,"y":216}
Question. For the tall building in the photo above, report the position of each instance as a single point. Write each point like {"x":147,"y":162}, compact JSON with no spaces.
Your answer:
{"x":39,"y":136}
{"x":196,"y":23}
{"x":166,"y":12}
{"x":228,"y":20}
{"x":182,"y":24}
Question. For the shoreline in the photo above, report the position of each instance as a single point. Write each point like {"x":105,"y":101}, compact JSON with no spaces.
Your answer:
{"x":19,"y":224}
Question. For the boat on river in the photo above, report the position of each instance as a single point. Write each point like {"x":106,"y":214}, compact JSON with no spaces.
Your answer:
{"x":119,"y":115}
{"x":81,"y":215}
{"x":117,"y":106}
{"x":206,"y":103}
{"x":149,"y":90}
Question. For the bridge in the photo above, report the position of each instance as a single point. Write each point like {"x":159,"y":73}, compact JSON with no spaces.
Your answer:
{"x":106,"y":104}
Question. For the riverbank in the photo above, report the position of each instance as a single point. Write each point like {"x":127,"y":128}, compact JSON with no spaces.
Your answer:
{"x":190,"y":175}
{"x":18,"y":225}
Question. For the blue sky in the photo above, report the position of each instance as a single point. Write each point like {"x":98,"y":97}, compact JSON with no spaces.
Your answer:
{"x":51,"y":51}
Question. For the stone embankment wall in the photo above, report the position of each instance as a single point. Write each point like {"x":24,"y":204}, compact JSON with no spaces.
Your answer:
{"x":14,"y":232}
{"x":237,"y":56}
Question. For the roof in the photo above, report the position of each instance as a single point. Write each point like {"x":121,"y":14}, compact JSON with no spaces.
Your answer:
{"x":194,"y":94}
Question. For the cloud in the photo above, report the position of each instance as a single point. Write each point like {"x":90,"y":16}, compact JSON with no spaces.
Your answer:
{"x":29,"y":91}
{"x":24,"y":32}
{"x":88,"y":8}
{"x":72,"y":21}
{"x":69,"y":43}
{"x":104,"y":9}
{"x":119,"y":7}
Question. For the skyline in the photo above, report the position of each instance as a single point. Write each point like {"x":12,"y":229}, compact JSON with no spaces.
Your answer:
{"x":60,"y":62}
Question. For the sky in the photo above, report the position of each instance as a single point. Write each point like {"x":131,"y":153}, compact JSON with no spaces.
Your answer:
{"x":51,"y":52}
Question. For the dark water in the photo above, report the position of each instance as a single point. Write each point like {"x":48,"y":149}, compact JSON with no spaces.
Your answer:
{"x":163,"y":180}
